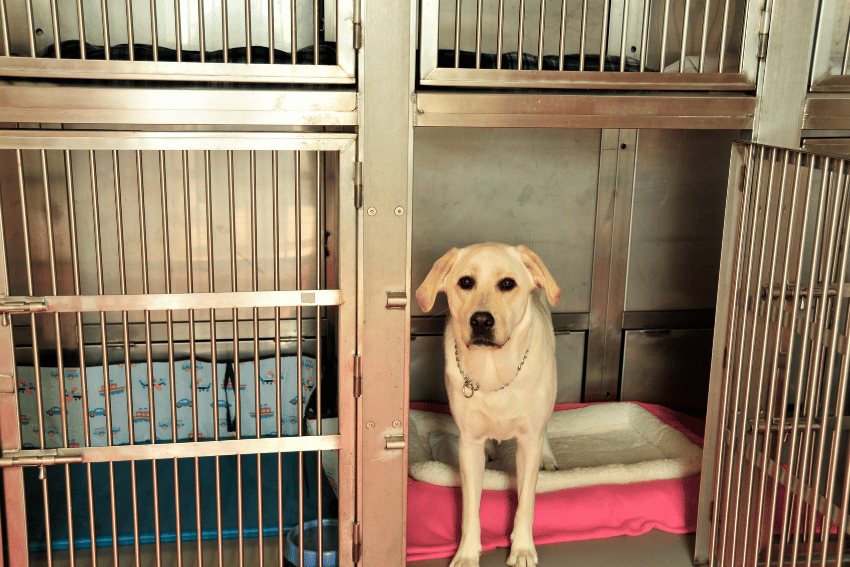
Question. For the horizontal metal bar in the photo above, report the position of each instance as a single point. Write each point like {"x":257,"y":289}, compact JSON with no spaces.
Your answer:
{"x":29,"y":102}
{"x":831,"y":291}
{"x":172,"y":71}
{"x":178,"y":301}
{"x":502,"y":78}
{"x":128,"y":140}
{"x":584,"y":111}
{"x":147,"y":452}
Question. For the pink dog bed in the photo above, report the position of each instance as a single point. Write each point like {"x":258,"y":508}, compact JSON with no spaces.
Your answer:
{"x":434,"y":512}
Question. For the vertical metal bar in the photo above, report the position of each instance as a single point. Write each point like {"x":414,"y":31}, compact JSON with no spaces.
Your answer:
{"x":293,"y":32}
{"x":248,"y":39}
{"x":75,"y":264}
{"x":155,"y":35}
{"x":178,"y":34}
{"x":603,"y":45}
{"x":30,"y":28}
{"x":739,"y":363}
{"x":457,"y":33}
{"x":54,"y":21}
{"x":255,"y":286}
{"x":271,"y":32}
{"x":225,"y":44}
{"x":685,"y":25}
{"x":81,"y":30}
{"x":818,"y":464}
{"x":478,"y":31}
{"x":723,"y":36}
{"x":166,"y":240}
{"x":843,"y":379}
{"x":213,"y":349}
{"x":277,"y":389}
{"x":122,"y":271}
{"x":104,"y":18}
{"x":499,"y":32}
{"x":644,"y":43}
{"x":665,"y":26}
{"x":319,"y":285}
{"x":299,"y":358}
{"x":237,"y":376}
{"x":131,"y":34}
{"x":4,"y":30}
{"x":520,"y":35}
{"x":148,"y":354}
{"x":316,"y":42}
{"x":583,"y":45}
{"x":623,"y":36}
{"x":816,"y":346}
{"x":705,"y":24}
{"x":846,"y":58}
{"x":562,"y":35}
{"x":202,"y":32}
{"x":540,"y":35}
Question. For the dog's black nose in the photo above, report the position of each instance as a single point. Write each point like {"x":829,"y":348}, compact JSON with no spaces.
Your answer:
{"x":481,"y":322}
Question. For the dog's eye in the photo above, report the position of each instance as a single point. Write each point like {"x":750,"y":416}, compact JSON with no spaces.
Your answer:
{"x":466,"y":282}
{"x":507,"y":284}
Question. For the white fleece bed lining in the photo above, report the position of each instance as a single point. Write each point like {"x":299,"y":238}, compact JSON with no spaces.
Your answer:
{"x":613,"y":443}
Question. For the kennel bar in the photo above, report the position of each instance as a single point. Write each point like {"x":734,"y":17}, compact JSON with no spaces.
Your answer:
{"x":779,"y":493}
{"x":75,"y":204}
{"x":300,"y":41}
{"x":486,"y":110}
{"x":643,"y":44}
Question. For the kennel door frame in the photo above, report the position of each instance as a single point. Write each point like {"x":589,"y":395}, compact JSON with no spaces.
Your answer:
{"x":14,"y":457}
{"x":343,"y":72}
{"x":432,"y":75}
{"x":782,"y":221}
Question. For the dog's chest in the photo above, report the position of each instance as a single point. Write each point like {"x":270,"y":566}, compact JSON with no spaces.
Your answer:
{"x":494,"y":416}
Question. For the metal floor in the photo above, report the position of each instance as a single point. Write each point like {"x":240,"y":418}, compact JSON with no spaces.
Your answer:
{"x":654,"y":549}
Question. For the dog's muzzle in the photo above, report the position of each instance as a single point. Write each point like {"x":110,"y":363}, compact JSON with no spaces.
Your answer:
{"x":481,"y":323}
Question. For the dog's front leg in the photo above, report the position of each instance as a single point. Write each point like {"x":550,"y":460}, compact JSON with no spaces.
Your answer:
{"x":523,"y":552}
{"x":471,"y":453}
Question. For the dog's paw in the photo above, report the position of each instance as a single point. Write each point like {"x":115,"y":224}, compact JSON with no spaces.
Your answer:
{"x":523,"y":556}
{"x":548,"y":463}
{"x":467,"y":555}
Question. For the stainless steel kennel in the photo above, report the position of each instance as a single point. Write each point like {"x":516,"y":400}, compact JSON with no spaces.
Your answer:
{"x":161,"y":158}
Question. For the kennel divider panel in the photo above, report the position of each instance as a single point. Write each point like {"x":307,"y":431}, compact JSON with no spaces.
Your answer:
{"x":831,"y":57}
{"x":456,"y":36}
{"x":780,"y":367}
{"x":33,"y":144}
{"x":180,"y":41}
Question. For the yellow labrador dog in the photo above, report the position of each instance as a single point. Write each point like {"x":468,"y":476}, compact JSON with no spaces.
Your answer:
{"x":500,"y":374}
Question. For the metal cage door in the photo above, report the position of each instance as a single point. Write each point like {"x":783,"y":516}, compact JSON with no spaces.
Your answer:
{"x":154,"y":290}
{"x":775,"y":475}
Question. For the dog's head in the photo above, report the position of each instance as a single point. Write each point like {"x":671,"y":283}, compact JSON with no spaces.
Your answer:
{"x":488,"y":288}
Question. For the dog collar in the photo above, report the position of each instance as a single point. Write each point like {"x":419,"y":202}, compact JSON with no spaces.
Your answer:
{"x":471,"y":386}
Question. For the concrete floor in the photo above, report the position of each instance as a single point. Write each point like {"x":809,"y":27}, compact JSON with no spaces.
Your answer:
{"x":654,"y":549}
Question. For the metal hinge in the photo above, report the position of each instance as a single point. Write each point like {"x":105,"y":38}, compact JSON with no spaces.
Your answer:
{"x":42,"y":458}
{"x":358,"y":184}
{"x":11,"y":305}
{"x":358,"y":26}
{"x":356,"y":541}
{"x":764,"y":32}
{"x":358,"y":375}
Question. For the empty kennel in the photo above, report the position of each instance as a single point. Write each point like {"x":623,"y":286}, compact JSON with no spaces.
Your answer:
{"x":209,"y":120}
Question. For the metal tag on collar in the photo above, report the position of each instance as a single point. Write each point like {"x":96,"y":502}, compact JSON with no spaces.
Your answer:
{"x":470,"y":385}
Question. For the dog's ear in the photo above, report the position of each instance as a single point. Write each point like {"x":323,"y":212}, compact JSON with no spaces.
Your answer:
{"x":435,"y":281}
{"x":541,"y":276}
